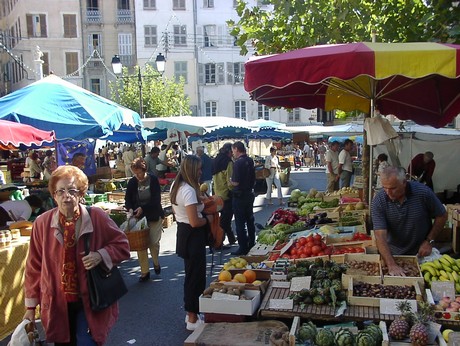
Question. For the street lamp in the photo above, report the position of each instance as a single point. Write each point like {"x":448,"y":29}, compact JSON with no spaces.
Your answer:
{"x":117,"y":67}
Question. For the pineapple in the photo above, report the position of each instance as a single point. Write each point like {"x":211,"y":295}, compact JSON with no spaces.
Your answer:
{"x":419,"y":334}
{"x":406,"y":312}
{"x":419,"y":331}
{"x":399,"y":329}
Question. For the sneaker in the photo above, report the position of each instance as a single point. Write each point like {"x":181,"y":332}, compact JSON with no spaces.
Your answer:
{"x":192,"y":326}
{"x":186,"y":318}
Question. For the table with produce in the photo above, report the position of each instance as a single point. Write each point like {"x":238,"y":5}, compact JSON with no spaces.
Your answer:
{"x":14,"y":247}
{"x":316,"y":264}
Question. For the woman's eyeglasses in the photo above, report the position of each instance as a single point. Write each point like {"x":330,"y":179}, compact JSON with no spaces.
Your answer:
{"x":71,"y":192}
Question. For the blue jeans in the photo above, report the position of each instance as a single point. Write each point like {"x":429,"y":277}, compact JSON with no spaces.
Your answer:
{"x":79,"y":330}
{"x":244,"y":217}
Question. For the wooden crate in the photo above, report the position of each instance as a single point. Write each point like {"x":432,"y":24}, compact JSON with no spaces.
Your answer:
{"x":452,"y":209}
{"x":405,"y":280}
{"x":375,"y":302}
{"x":346,"y":277}
{"x":116,"y":197}
{"x":456,"y":236}
{"x":439,"y":341}
{"x":168,"y":221}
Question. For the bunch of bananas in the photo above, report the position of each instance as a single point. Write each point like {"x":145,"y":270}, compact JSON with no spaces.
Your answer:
{"x":445,"y":268}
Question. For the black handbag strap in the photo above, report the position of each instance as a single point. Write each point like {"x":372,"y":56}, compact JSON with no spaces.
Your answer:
{"x":87,"y":236}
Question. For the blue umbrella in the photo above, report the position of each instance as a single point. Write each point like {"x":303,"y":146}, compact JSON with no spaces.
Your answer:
{"x":72,"y":112}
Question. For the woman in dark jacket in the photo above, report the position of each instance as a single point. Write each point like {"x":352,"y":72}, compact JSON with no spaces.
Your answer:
{"x":143,"y":198}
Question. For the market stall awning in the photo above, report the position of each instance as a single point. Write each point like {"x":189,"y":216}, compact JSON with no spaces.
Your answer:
{"x":72,"y":112}
{"x":15,"y":135}
{"x":191,"y":125}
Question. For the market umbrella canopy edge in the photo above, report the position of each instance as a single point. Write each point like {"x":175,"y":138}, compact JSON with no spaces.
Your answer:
{"x":23,"y":136}
{"x":418,"y":81}
{"x":72,"y":112}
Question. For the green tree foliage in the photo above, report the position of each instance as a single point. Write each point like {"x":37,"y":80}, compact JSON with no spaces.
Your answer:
{"x":301,"y":23}
{"x":162,"y":97}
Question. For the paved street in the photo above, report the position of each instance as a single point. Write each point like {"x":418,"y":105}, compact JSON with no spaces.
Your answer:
{"x":152,"y":313}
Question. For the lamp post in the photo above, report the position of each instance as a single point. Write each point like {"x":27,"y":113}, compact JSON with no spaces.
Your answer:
{"x":117,"y":67}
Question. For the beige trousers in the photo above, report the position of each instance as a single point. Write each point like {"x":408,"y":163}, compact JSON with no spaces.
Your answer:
{"x":156,"y":229}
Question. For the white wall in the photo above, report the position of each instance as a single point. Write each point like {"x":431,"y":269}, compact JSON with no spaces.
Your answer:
{"x":446,"y":155}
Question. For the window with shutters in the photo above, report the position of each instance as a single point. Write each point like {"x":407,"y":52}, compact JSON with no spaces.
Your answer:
{"x":263,"y":112}
{"x":92,"y":5}
{"x":210,"y":108}
{"x":240,"y":110}
{"x":178,"y":4}
{"x":36,"y":25}
{"x":208,"y":3}
{"x":46,"y":64}
{"x":210,"y":73}
{"x":95,"y":45}
{"x":296,"y":114}
{"x":180,"y":35}
{"x":150,"y":35}
{"x":235,"y":72}
{"x":210,"y":36}
{"x":71,"y":63}
{"x":125,"y":49}
{"x":123,"y":4}
{"x":70,"y":25}
{"x":95,"y":86}
{"x":150,"y":5}
{"x":180,"y":70}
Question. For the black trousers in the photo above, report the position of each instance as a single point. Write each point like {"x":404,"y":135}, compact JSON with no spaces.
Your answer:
{"x":226,"y":215}
{"x":194,"y":262}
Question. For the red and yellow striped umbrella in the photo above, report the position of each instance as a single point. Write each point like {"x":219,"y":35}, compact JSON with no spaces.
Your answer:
{"x":417,"y":81}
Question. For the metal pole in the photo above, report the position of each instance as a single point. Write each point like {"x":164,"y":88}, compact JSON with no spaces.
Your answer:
{"x":139,"y":81}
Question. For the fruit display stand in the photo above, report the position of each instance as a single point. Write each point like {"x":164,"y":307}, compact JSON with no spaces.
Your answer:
{"x":317,"y":312}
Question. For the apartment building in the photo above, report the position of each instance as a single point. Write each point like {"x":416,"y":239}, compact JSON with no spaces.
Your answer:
{"x":54,"y":26}
{"x":108,"y":29}
{"x":195,"y":39}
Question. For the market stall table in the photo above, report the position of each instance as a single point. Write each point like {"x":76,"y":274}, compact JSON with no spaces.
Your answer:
{"x":325,"y":312}
{"x":12,"y":264}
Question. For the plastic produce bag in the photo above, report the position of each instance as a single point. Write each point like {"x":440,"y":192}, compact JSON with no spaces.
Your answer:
{"x":435,"y":254}
{"x":132,"y":224}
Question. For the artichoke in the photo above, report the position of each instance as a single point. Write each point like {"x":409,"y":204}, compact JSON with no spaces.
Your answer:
{"x":324,"y":337}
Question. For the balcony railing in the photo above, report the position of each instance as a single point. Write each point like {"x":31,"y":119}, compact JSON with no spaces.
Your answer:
{"x":93,"y":16}
{"x":125,"y":16}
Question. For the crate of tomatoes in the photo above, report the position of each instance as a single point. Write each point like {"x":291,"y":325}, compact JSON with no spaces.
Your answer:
{"x":313,"y":245}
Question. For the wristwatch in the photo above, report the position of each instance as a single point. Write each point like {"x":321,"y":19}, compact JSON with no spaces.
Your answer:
{"x":430,"y":241}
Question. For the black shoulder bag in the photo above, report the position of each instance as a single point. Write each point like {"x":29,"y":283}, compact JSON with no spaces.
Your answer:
{"x":104,"y":287}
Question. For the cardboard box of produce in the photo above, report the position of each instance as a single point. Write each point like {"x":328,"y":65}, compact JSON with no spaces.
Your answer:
{"x":410,"y":264}
{"x":230,"y":306}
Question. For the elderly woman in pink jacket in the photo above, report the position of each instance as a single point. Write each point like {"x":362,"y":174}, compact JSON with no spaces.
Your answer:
{"x":55,"y":275}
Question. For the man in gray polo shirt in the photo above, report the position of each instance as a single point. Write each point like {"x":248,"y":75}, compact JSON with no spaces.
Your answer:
{"x":402,"y":214}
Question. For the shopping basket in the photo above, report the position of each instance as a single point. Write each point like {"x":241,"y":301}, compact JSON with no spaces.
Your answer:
{"x":139,"y":239}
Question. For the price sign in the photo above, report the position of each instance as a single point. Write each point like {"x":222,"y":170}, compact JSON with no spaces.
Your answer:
{"x":389,"y":306}
{"x":441,"y":289}
{"x":299,"y":283}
